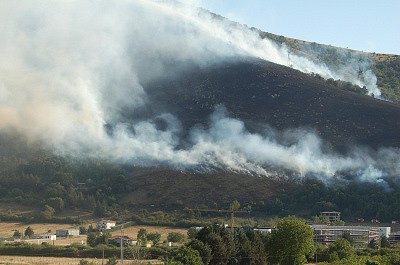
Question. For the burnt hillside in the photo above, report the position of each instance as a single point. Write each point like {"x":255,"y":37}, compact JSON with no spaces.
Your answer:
{"x":260,"y":93}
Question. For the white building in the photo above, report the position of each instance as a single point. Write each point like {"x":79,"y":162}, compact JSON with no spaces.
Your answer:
{"x":362,"y":235}
{"x":331,"y":216}
{"x":48,"y":237}
{"x":384,"y":231}
{"x":67,"y":232}
{"x":105,"y":224}
{"x":263,"y":230}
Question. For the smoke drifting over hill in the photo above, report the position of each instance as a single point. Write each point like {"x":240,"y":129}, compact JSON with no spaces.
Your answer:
{"x":69,"y":68}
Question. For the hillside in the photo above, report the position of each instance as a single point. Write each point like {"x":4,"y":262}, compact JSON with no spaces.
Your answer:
{"x":262,"y":93}
{"x":386,"y":67}
{"x":117,"y":119}
{"x":259,"y":93}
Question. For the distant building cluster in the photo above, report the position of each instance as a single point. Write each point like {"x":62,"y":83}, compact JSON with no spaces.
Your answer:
{"x":360,"y":235}
{"x":104,"y":224}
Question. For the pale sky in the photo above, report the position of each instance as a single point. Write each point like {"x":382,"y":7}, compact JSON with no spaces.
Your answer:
{"x":367,"y":25}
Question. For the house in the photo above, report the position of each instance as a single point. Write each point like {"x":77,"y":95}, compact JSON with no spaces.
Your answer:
{"x":105,"y":224}
{"x":263,"y":230}
{"x":127,"y":241}
{"x":362,"y":235}
{"x":384,"y":231}
{"x":47,"y":237}
{"x":394,"y":238}
{"x":331,"y":216}
{"x":67,"y":232}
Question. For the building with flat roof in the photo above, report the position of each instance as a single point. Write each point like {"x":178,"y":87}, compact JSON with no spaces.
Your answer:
{"x":361,"y":235}
{"x":105,"y":224}
{"x":67,"y":232}
{"x":331,"y":216}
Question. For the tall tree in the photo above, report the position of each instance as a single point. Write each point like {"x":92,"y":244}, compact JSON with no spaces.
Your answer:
{"x":29,"y":232}
{"x":142,"y":236}
{"x":291,"y":242}
{"x":340,"y":249}
{"x":154,"y":237}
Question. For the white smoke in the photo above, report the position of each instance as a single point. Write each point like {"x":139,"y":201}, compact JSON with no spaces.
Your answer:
{"x":70,"y":67}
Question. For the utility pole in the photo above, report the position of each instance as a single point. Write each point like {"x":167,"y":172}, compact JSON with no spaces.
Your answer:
{"x":122,"y":245}
{"x":102,"y":259}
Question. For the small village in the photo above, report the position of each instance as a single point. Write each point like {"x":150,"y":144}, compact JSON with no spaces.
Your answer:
{"x":329,"y":228}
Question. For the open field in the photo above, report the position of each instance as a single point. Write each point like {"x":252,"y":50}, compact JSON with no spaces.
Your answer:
{"x":7,"y":228}
{"x":22,"y":260}
{"x":60,"y":241}
{"x":163,"y":230}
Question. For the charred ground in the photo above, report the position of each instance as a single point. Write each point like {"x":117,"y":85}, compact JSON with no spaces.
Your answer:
{"x":257,"y":92}
{"x":262,"y":93}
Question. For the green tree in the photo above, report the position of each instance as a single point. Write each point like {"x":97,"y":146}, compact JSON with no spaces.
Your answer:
{"x":192,"y":232}
{"x":91,"y":239}
{"x":17,"y":234}
{"x":154,"y":237}
{"x":47,"y":213}
{"x":234,"y":206}
{"x":203,"y":249}
{"x":142,"y":236}
{"x":340,"y":249}
{"x":188,"y":256}
{"x":385,"y":242}
{"x":346,"y":235}
{"x":257,"y":254}
{"x":96,"y":238}
{"x":175,"y":237}
{"x":291,"y":242}
{"x":56,"y":203}
{"x":29,"y":232}
{"x":373,"y":244}
{"x":112,"y":261}
{"x":83,"y":230}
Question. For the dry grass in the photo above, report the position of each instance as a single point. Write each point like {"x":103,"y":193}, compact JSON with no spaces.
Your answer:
{"x":7,"y":229}
{"x":21,"y":260}
{"x":60,"y":241}
{"x":163,"y":230}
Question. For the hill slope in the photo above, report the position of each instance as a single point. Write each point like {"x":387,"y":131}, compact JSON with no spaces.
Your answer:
{"x":386,"y":67}
{"x":260,"y":93}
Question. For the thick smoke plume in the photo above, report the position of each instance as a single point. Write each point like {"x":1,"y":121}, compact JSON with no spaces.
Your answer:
{"x":71,"y":67}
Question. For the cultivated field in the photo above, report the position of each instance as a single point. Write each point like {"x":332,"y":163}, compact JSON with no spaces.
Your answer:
{"x":21,"y":260}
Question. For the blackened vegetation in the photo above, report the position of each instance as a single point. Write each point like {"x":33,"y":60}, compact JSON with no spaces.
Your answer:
{"x":260,"y":93}
{"x":254,"y":91}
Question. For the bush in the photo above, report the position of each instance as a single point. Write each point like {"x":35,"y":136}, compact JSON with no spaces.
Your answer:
{"x":175,"y":237}
{"x":86,"y":262}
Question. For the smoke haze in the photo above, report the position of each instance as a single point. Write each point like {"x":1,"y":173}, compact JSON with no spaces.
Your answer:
{"x":69,"y":68}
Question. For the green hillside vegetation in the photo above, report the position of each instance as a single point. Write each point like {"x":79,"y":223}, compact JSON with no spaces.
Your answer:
{"x":53,"y":184}
{"x":386,"y":67}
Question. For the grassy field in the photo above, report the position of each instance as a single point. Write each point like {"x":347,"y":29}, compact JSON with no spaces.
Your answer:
{"x":60,"y":241}
{"x":163,"y":230}
{"x":21,"y":260}
{"x":7,"y":228}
